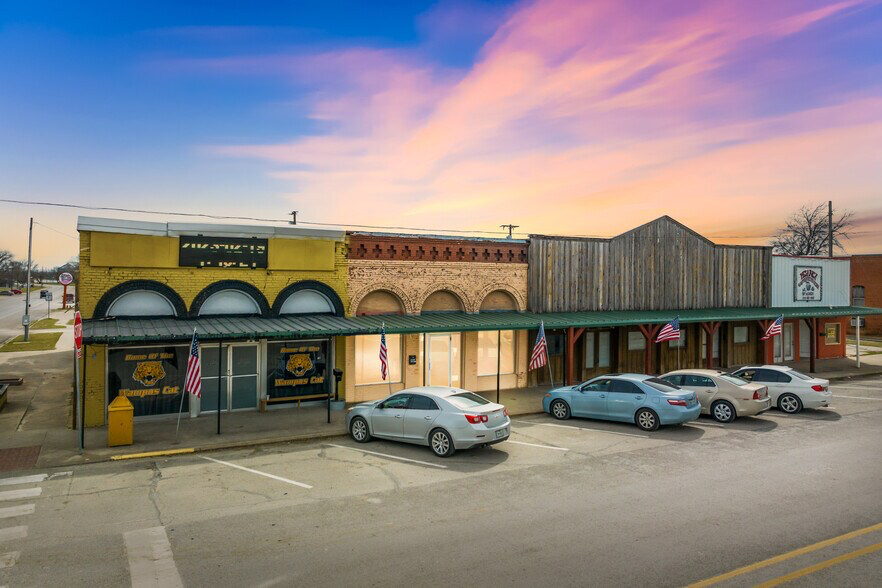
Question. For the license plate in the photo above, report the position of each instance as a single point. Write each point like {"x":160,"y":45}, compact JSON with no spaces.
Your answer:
{"x":500,"y":433}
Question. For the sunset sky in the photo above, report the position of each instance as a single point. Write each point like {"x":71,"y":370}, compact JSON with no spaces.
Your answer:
{"x":566,"y":117}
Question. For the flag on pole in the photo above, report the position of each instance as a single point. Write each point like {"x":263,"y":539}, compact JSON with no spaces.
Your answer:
{"x":540,"y":349}
{"x":384,"y":359}
{"x":193,"y":381}
{"x":774,"y":328}
{"x":669,"y":332}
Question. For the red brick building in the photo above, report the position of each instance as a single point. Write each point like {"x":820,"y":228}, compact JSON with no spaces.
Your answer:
{"x":866,"y":289}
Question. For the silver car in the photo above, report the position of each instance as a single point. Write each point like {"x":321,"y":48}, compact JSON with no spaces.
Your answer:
{"x":445,"y":419}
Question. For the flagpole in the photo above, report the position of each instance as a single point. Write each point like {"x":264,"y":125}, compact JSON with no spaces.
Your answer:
{"x":183,"y":393}
{"x":388,"y":363}
{"x":548,"y":357}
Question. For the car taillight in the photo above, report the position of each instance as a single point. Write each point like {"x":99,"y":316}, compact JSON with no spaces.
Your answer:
{"x":757,"y":394}
{"x":476,"y":418}
{"x":676,"y":402}
{"x":505,"y":411}
{"x":818,"y":388}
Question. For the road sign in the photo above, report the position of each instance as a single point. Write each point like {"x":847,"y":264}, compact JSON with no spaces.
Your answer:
{"x":48,"y":296}
{"x":78,"y":334}
{"x":854,"y":322}
{"x":25,"y":320}
{"x":65,"y":278}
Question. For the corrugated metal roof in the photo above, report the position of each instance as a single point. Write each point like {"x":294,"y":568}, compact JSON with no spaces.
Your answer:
{"x":134,"y":330}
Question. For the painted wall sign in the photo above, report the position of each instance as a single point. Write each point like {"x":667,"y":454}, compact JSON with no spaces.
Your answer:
{"x":222,"y":252}
{"x":297,"y":369}
{"x":807,"y":281}
{"x":152,"y":378}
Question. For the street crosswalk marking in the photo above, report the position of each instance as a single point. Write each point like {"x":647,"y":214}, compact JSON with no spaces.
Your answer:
{"x":9,"y":559}
{"x":36,"y":478}
{"x":151,"y":562}
{"x":21,"y":493}
{"x":11,"y":533}
{"x":16,"y":511}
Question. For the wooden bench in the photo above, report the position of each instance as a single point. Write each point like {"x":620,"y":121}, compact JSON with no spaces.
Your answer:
{"x":265,"y":401}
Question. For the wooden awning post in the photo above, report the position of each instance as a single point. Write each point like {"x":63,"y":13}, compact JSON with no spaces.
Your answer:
{"x":649,"y":332}
{"x":813,"y":347}
{"x":573,"y":335}
{"x":764,"y":326}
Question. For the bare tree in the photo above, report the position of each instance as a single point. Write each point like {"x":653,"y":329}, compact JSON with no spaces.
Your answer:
{"x":807,"y":231}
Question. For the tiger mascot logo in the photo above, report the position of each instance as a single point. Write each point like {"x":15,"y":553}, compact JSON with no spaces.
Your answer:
{"x":299,"y":364}
{"x":148,"y":372}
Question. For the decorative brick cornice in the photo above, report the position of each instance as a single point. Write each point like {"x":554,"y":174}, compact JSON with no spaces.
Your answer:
{"x":387,"y":247}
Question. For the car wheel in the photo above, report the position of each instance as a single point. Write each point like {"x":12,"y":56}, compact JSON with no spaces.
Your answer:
{"x":441,"y":443}
{"x":646,"y":419}
{"x":560,"y":410}
{"x":790,"y":403}
{"x":723,"y":411}
{"x":358,"y":428}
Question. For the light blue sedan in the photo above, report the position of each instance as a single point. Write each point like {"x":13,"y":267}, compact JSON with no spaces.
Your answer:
{"x":630,"y":398}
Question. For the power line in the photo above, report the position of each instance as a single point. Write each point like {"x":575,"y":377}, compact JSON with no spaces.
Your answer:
{"x":248,"y":218}
{"x":57,"y":231}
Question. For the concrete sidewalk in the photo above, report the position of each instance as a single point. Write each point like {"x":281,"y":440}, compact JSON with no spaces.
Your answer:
{"x":35,"y":424}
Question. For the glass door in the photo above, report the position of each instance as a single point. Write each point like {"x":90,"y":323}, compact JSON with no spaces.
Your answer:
{"x":444,"y":359}
{"x":238,"y":380}
{"x":716,"y":347}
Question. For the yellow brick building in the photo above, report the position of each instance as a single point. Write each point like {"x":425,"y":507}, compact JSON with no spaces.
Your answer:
{"x":171,"y":278}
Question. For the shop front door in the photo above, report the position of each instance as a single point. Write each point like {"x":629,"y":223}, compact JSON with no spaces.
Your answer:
{"x":238,"y":380}
{"x":444,"y":359}
{"x":784,"y":344}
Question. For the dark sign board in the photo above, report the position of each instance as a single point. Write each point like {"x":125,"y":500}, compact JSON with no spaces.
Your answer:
{"x":297,"y":368}
{"x":152,"y":378}
{"x":222,"y":252}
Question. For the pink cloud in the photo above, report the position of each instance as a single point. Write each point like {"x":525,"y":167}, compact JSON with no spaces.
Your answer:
{"x":576,"y":117}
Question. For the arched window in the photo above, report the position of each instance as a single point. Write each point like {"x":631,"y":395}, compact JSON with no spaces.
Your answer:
{"x":498,"y":300}
{"x":307,"y":302}
{"x":141,"y":303}
{"x":857,"y":296}
{"x":443,"y":301}
{"x":380,"y":302}
{"x":229,"y":302}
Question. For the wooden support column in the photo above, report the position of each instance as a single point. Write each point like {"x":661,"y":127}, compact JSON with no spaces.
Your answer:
{"x":710,"y":329}
{"x":649,"y":332}
{"x":764,"y":326}
{"x":813,"y":347}
{"x":573,"y":335}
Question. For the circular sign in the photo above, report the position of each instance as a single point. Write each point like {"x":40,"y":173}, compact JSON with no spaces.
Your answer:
{"x":78,"y":332}
{"x":65,"y":279}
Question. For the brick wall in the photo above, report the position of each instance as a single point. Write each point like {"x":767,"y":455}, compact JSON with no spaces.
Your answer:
{"x":866,"y":271}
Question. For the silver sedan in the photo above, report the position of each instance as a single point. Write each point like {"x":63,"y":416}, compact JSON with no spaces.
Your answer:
{"x":445,"y":419}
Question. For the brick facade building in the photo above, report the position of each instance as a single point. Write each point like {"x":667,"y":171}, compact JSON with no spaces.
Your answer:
{"x":866,"y":287}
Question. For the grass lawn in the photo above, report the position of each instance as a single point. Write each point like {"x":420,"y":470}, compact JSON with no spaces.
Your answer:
{"x":36,"y":342}
{"x":46,"y":323}
{"x":71,"y":321}
{"x":865,"y":342}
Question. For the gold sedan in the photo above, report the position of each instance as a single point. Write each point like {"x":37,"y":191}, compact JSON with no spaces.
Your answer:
{"x":722,"y":395}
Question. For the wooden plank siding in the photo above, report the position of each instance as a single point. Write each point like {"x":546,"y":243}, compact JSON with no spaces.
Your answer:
{"x":661,"y":265}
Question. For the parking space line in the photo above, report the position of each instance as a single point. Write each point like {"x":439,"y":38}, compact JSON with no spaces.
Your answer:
{"x":537,"y":445}
{"x":151,"y":562}
{"x":259,"y":473}
{"x":785,"y":556}
{"x":697,"y":424}
{"x":23,"y":480}
{"x":434,"y":465}
{"x":856,"y":397}
{"x":583,"y":429}
{"x":819,"y":566}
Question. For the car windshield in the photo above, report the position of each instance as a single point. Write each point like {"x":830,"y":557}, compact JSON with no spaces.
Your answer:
{"x":734,"y":379}
{"x":661,"y":385}
{"x":466,"y":400}
{"x":799,"y":375}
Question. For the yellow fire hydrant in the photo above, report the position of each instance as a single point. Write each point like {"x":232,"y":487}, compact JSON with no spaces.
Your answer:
{"x":120,"y":415}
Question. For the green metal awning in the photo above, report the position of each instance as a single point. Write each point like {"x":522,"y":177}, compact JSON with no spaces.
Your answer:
{"x":134,"y":330}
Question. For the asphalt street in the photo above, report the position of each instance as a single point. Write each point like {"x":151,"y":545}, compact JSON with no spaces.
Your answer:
{"x":12,"y":308}
{"x":574,"y":503}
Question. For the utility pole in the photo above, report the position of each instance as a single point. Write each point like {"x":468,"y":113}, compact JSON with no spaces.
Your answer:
{"x":830,"y":228}
{"x":26,"y":319}
{"x":510,"y":229}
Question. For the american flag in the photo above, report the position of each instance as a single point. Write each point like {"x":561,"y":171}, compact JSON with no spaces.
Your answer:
{"x":669,"y":332}
{"x":193,"y":382}
{"x":774,"y":328}
{"x":384,"y":360}
{"x":540,"y":349}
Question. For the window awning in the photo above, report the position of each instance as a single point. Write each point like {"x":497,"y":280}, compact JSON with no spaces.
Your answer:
{"x":143,"y":330}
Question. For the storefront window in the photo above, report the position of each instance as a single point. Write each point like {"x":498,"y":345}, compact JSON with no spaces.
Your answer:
{"x":152,"y":378}
{"x":739,"y":334}
{"x":367,"y":359}
{"x":831,"y":331}
{"x":488,"y":354}
{"x":603,"y":339}
{"x":636,"y":341}
{"x":681,"y":342}
{"x":297,"y":368}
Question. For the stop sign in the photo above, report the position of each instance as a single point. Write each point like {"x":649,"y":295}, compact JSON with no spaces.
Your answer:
{"x":78,"y":334}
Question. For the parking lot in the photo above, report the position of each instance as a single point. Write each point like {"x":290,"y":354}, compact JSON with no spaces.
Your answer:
{"x":572,"y":502}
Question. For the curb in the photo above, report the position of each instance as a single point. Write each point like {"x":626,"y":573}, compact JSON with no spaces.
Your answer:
{"x":861,"y":375}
